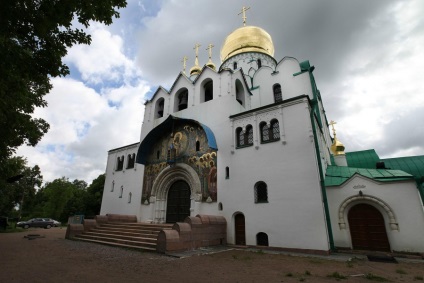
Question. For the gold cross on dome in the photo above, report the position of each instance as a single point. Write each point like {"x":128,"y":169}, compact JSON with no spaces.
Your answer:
{"x":210,"y":50}
{"x":184,"y":63}
{"x":332,"y":123}
{"x":196,"y":47}
{"x":243,"y":11}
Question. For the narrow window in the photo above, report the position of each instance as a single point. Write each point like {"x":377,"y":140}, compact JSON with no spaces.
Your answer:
{"x":249,"y":135}
{"x":264,"y":131}
{"x":131,"y":161}
{"x":208,"y":91}
{"x":240,"y":137}
{"x":120,"y":163}
{"x":158,"y":154}
{"x":220,"y":206}
{"x":239,"y":92}
{"x":259,"y":63}
{"x":113,"y":186}
{"x":227,"y":172}
{"x":277,"y":93}
{"x":121,"y":192}
{"x":197,"y":145}
{"x":262,"y":239}
{"x":129,"y":197}
{"x":235,"y":65}
{"x":275,"y":130}
{"x":261,"y":192}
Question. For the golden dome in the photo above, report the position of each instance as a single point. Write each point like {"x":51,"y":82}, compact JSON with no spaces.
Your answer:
{"x":247,"y":39}
{"x":195,"y":70}
{"x":337,"y":147}
{"x":211,"y":65}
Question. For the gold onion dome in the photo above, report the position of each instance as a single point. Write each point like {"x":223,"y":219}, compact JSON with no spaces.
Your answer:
{"x":337,"y":147}
{"x":247,"y":39}
{"x":195,"y":70}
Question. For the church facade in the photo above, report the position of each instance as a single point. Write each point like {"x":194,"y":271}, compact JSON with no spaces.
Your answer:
{"x":250,"y":141}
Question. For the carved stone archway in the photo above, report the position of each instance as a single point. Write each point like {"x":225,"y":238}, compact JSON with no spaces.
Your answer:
{"x":164,"y":181}
{"x":370,"y":199}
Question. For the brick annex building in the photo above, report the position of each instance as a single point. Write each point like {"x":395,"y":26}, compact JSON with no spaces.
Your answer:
{"x":249,"y":142}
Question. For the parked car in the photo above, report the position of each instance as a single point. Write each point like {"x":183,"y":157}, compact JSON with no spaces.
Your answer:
{"x":35,"y":222}
{"x":55,"y":222}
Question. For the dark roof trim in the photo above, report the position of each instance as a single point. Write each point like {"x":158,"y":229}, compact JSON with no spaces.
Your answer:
{"x":118,"y":148}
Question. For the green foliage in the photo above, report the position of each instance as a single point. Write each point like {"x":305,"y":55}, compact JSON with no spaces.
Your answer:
{"x":34,"y":37}
{"x":418,"y":278}
{"x":17,"y":186}
{"x":373,"y":277}
{"x":94,"y":196}
{"x":337,"y":276}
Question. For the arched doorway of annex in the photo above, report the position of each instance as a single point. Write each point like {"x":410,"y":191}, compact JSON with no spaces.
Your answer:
{"x":367,"y":217}
{"x":180,"y":183}
{"x":239,"y":228}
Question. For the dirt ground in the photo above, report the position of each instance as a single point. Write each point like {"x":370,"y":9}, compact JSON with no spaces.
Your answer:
{"x":52,"y":258}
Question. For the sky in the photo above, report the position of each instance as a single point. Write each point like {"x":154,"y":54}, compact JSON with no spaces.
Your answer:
{"x":366,"y":54}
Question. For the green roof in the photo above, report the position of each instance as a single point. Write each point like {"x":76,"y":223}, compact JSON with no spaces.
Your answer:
{"x":337,"y":175}
{"x":414,"y":165}
{"x":362,"y":159}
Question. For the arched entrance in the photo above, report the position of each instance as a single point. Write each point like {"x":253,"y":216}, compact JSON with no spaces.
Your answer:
{"x":240,"y":229}
{"x":178,"y":202}
{"x":367,"y":228}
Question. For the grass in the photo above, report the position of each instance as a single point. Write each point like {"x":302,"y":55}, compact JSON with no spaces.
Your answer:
{"x":377,"y":278}
{"x":400,"y":271}
{"x":337,"y":276}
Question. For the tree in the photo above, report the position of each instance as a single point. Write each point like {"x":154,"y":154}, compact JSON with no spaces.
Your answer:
{"x":17,"y":184}
{"x":34,"y":37}
{"x":94,"y":196}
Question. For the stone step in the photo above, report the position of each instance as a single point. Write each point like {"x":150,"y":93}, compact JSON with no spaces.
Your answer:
{"x":127,"y":230}
{"x":137,"y":238}
{"x":119,"y":241}
{"x":117,"y":244}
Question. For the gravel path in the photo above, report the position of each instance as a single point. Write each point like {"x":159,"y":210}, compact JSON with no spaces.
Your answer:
{"x":51,"y":258}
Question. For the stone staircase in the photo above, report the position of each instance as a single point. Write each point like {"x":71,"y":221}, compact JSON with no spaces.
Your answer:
{"x":142,"y":236}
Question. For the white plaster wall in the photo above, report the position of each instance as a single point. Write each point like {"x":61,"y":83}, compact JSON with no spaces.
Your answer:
{"x":401,"y":197}
{"x":130,"y":179}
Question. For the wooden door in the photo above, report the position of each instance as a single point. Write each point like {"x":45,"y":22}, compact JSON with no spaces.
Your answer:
{"x":178,"y":202}
{"x":367,"y":228}
{"x":240,"y":229}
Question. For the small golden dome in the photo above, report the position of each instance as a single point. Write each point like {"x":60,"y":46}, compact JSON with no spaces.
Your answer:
{"x":247,"y":39}
{"x":337,"y":147}
{"x":195,"y":70}
{"x":211,"y":65}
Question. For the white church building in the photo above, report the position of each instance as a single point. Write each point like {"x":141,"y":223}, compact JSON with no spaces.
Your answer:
{"x":250,"y":141}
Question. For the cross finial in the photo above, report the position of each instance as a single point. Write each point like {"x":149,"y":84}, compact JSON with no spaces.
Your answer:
{"x":243,"y":11}
{"x":332,"y":123}
{"x":210,"y":50}
{"x":184,"y":63}
{"x":196,"y":48}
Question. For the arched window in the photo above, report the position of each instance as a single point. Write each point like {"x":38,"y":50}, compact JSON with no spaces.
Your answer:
{"x":240,"y":137}
{"x":278,"y":96}
{"x":207,"y":91}
{"x":120,"y":163}
{"x":264,"y":132}
{"x":181,"y":100}
{"x":261,"y":192}
{"x":197,"y":145}
{"x":113,"y":186}
{"x":239,"y":92}
{"x":160,"y":105}
{"x":227,"y":172}
{"x":158,"y":154}
{"x":262,"y":239}
{"x":249,"y":134}
{"x":244,"y":138}
{"x":220,"y":206}
{"x":235,"y":65}
{"x":270,"y":133}
{"x":275,"y":130}
{"x":131,"y":161}
{"x":259,"y":63}
{"x":129,"y":197}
